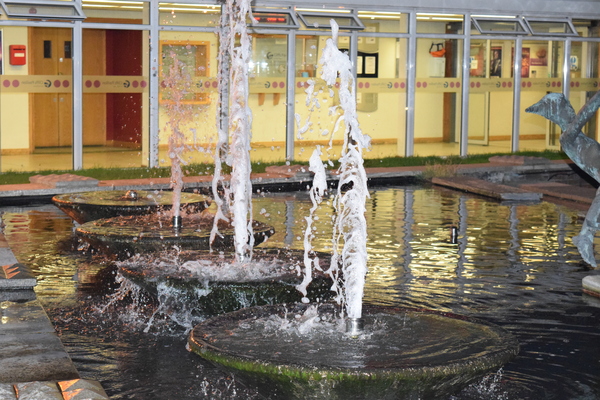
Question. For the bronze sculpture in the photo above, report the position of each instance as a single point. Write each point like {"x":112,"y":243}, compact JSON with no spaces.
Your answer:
{"x":582,"y":150}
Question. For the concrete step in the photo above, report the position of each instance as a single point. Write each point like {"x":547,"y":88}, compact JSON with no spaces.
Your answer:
{"x":583,"y":194}
{"x":488,"y":189}
{"x":76,"y":389}
{"x":34,"y":364}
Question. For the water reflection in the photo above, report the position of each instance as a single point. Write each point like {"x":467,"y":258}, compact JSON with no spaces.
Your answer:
{"x":512,"y":264}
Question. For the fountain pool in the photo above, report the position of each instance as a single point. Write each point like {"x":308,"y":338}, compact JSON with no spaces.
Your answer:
{"x":512,"y":265}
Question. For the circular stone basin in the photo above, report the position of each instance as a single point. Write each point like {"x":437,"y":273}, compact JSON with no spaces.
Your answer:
{"x":215,"y":284}
{"x":89,"y":206}
{"x":133,"y":234}
{"x":287,"y":354}
{"x":591,"y":285}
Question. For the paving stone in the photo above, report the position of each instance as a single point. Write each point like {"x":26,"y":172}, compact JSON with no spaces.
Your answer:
{"x":17,"y":295}
{"x":38,"y":391}
{"x":7,"y":392}
{"x":64,"y":181}
{"x":7,"y":257}
{"x":82,"y":389}
{"x":16,"y":276}
{"x":519,"y":160}
{"x":29,"y":357}
{"x":24,"y":317}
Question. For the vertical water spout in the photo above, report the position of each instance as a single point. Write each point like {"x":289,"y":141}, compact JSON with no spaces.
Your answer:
{"x":177,"y":83}
{"x":219,"y":189}
{"x":236,"y":46}
{"x":350,"y":227}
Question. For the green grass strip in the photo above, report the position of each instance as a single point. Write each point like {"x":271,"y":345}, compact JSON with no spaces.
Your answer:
{"x":14,"y":177}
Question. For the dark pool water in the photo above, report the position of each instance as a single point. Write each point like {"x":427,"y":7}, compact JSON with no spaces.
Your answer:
{"x":513,"y":265}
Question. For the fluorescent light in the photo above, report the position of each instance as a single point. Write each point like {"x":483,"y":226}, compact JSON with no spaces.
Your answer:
{"x":323,"y":10}
{"x":493,"y":16}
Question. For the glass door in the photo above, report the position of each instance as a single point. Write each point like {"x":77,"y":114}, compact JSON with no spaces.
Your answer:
{"x":480,"y":70}
{"x":541,"y":73}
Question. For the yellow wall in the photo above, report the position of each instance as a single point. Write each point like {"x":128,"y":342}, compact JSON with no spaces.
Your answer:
{"x":14,"y":117}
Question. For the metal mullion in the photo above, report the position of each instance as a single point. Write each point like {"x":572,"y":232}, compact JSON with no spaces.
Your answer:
{"x":33,"y":24}
{"x":154,"y":86}
{"x":384,"y":35}
{"x":353,"y":55}
{"x":290,"y":95}
{"x":495,"y":37}
{"x":464,"y":122}
{"x":411,"y":78}
{"x":516,"y":95}
{"x":193,"y":2}
{"x":566,"y":72}
{"x":77,"y":94}
{"x":583,"y":39}
{"x":268,"y":31}
{"x":177,"y":28}
{"x":130,"y":27}
{"x":320,"y":33}
{"x":439,"y":36}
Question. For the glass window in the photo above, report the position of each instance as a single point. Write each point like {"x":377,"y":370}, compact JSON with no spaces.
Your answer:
{"x":273,"y":18}
{"x":490,"y":96}
{"x":322,"y":20}
{"x":184,"y":14}
{"x":587,"y":27}
{"x":314,"y":124}
{"x":37,"y":102}
{"x":541,"y":72}
{"x":188,"y":92}
{"x":122,"y":12}
{"x":510,"y":26}
{"x":268,"y":83}
{"x":547,"y":27}
{"x":381,"y":94}
{"x":68,"y":10}
{"x":115,"y":97}
{"x":438,"y":97}
{"x":389,"y":22}
{"x":439,"y":23}
{"x":583,"y":68}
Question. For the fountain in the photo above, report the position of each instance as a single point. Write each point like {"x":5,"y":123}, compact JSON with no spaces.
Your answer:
{"x":206,"y":257}
{"x":183,"y":228}
{"x":519,"y":272}
{"x":303,"y":350}
{"x":90,"y":206}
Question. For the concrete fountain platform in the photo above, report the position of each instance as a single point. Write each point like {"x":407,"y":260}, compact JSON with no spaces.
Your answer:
{"x":33,"y":362}
{"x":487,"y":189}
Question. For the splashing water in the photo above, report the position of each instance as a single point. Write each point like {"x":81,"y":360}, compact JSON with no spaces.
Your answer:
{"x":238,"y":197}
{"x":350,"y":227}
{"x":317,"y":191}
{"x":178,"y":84}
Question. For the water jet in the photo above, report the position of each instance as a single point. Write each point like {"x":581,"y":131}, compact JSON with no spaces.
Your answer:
{"x":333,"y":351}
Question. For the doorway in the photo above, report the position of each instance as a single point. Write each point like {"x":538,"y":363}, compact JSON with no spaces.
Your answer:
{"x":51,"y":114}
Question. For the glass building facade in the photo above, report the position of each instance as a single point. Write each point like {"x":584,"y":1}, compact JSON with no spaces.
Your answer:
{"x":103,"y":83}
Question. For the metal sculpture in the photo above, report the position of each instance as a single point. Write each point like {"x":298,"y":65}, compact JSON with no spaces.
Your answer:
{"x":582,"y":150}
